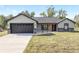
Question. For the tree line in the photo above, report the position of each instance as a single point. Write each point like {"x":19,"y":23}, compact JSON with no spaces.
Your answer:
{"x":50,"y":12}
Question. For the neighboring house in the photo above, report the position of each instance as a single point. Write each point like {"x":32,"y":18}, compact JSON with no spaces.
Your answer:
{"x":24,"y":24}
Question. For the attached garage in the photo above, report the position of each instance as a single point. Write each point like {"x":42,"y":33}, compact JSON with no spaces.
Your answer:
{"x":22,"y":24}
{"x":21,"y":28}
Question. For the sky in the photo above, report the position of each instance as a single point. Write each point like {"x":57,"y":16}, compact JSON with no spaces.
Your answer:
{"x":72,"y":10}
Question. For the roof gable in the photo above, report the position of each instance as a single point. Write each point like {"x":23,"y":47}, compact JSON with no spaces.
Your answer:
{"x":66,"y":19}
{"x":23,"y":15}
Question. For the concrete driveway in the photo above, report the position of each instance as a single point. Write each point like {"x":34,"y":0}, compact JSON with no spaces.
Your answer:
{"x":14,"y":43}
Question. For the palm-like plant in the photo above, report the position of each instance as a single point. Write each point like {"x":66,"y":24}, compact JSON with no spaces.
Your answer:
{"x":62,"y":14}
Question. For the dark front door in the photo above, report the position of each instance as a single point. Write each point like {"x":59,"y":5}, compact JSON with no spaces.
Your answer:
{"x":21,"y":28}
{"x":53,"y":27}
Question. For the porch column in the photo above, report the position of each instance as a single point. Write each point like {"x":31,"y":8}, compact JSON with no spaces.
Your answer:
{"x":49,"y":27}
{"x":35,"y":27}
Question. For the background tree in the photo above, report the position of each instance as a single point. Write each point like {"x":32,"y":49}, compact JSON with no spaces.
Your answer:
{"x":43,"y":14}
{"x":2,"y":22}
{"x":51,"y":12}
{"x":26,"y":13}
{"x":9,"y":16}
{"x":76,"y":18}
{"x":62,"y":14}
{"x":32,"y":14}
{"x":22,"y":12}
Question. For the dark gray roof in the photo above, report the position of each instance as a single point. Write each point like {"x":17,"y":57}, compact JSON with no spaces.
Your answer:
{"x":42,"y":19}
{"x":47,"y":19}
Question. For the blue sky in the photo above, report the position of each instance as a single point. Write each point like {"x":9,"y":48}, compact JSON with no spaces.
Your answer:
{"x":72,"y":10}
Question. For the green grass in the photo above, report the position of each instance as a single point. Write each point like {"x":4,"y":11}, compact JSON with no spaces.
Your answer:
{"x":3,"y":33}
{"x":55,"y":42}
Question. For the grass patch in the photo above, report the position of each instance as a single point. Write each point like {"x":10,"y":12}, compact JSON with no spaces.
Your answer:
{"x":60,"y":42}
{"x":3,"y":33}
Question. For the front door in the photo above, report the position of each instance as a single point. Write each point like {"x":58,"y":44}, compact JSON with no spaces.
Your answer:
{"x":53,"y":27}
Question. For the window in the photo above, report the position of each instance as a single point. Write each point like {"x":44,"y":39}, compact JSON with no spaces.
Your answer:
{"x":66,"y":26}
{"x":44,"y":27}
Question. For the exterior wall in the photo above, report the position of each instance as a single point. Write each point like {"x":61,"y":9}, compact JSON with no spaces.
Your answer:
{"x":39,"y":27}
{"x":22,"y":19}
{"x":60,"y":26}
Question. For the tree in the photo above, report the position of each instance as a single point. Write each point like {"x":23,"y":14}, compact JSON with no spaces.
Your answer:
{"x":9,"y":16}
{"x":22,"y":12}
{"x":76,"y":18}
{"x":32,"y":14}
{"x":2,"y":22}
{"x":43,"y":14}
{"x":62,"y":14}
{"x":51,"y":12}
{"x":26,"y":13}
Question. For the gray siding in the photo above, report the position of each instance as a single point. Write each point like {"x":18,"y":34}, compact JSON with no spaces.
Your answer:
{"x":60,"y":26}
{"x":22,"y":19}
{"x":38,"y":27}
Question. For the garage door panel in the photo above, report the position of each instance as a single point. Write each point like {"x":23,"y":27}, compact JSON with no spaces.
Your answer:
{"x":21,"y":28}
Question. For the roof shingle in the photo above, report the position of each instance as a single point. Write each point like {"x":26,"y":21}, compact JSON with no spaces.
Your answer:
{"x":47,"y":19}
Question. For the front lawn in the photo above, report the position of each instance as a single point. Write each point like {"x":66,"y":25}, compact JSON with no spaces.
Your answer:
{"x":3,"y":33}
{"x":55,"y":42}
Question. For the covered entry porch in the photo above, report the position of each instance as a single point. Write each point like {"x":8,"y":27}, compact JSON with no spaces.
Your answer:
{"x":47,"y":27}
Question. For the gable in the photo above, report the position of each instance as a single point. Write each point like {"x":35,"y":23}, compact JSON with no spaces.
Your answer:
{"x":61,"y":24}
{"x":21,"y":19}
{"x":67,"y":20}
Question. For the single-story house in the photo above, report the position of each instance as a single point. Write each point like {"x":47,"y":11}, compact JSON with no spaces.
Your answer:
{"x":25,"y":24}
